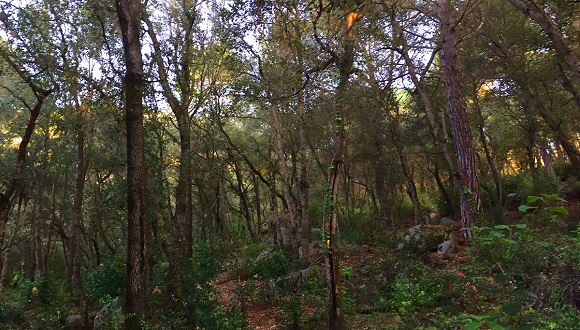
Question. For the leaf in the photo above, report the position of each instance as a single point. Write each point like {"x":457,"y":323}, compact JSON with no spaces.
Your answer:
{"x":525,"y":208}
{"x":500,"y":227}
{"x":468,"y":250}
{"x":508,"y":241}
{"x":520,"y":225}
{"x":533,"y":199}
{"x":495,"y":234}
{"x":553,"y":197}
{"x":473,"y":326}
{"x":558,"y":209}
{"x":495,"y":326}
{"x":544,"y":244}
{"x":511,"y":308}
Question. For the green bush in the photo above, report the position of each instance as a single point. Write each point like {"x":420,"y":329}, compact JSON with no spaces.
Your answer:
{"x":105,"y":283}
{"x":275,"y":265}
{"x":415,"y":288}
{"x":10,"y":313}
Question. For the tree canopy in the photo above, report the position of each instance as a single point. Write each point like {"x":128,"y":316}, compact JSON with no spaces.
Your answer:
{"x":152,"y":151}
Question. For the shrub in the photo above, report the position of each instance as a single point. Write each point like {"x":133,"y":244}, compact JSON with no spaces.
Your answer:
{"x":10,"y":313}
{"x":105,"y":283}
{"x":415,"y":288}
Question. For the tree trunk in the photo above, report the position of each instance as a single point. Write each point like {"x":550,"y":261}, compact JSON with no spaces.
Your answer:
{"x":75,"y":255}
{"x":183,"y":217}
{"x":471,"y":196}
{"x":436,"y":127}
{"x":302,"y":150}
{"x":8,"y":249}
{"x":488,"y":157}
{"x":290,"y":223}
{"x":545,"y":21}
{"x":129,"y":12}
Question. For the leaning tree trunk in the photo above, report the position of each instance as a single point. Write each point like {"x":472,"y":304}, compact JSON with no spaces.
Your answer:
{"x":129,"y":13}
{"x":471,"y":196}
{"x":545,"y":21}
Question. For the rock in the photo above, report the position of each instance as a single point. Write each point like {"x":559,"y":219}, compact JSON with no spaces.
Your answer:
{"x":73,"y":322}
{"x":445,"y":248}
{"x":315,"y":234}
{"x":106,"y":314}
{"x":424,"y":238}
{"x":432,"y":217}
{"x":102,"y":317}
{"x":448,"y":222}
{"x":266,"y":254}
{"x":512,"y":202}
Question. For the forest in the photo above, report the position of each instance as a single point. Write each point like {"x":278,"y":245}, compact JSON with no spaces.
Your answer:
{"x":289,"y":164}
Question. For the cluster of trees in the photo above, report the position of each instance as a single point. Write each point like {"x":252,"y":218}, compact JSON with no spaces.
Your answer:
{"x":252,"y":120}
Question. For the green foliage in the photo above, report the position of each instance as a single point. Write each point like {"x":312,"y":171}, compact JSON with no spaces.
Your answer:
{"x":292,"y":309}
{"x":524,"y":186}
{"x":10,"y":313}
{"x":275,"y":265}
{"x":105,"y":283}
{"x":562,"y":317}
{"x":28,"y":304}
{"x":545,"y":208}
{"x":415,"y":288}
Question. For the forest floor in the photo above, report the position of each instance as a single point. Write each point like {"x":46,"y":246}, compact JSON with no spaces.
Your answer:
{"x":368,"y":274}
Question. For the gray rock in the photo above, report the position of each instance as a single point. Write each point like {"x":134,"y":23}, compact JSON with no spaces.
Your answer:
{"x":424,"y":238}
{"x":266,"y":254}
{"x":73,"y":322}
{"x":446,"y":222}
{"x":102,"y":318}
{"x":445,"y":248}
{"x":106,"y":314}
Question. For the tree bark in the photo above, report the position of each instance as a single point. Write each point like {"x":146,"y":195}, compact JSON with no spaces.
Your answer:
{"x":76,"y":224}
{"x":129,"y":12}
{"x":290,"y":223}
{"x":488,"y":156}
{"x":471,"y":195}
{"x":544,"y":20}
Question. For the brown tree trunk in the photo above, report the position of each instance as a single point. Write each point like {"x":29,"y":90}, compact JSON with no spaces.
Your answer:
{"x":471,"y":196}
{"x":290,"y":223}
{"x":436,"y":127}
{"x":183,"y":218}
{"x":568,"y":85}
{"x":76,"y":224}
{"x":488,"y":157}
{"x":545,"y":21}
{"x":129,"y":13}
{"x":8,"y":250}
{"x":14,"y":184}
{"x":302,"y":151}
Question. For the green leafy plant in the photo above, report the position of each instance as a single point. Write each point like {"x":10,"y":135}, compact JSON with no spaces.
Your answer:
{"x":544,"y":208}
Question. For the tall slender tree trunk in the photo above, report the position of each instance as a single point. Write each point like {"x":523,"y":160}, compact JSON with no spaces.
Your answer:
{"x":302,"y":149}
{"x":471,"y":196}
{"x":76,"y":225}
{"x":129,"y":14}
{"x":290,"y":223}
{"x":439,"y":134}
{"x":7,"y":195}
{"x":345,"y":65}
{"x":488,"y":156}
{"x":183,"y":217}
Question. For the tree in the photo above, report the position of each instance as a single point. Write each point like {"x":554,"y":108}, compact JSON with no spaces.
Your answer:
{"x":469,"y":181}
{"x":129,"y":14}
